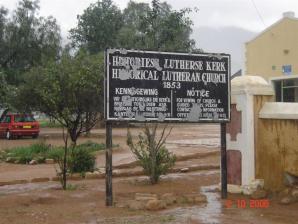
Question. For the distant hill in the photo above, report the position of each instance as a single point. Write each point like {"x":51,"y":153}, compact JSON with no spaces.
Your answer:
{"x":229,"y":40}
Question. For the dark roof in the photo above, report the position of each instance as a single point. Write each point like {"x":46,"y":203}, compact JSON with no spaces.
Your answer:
{"x":236,"y":74}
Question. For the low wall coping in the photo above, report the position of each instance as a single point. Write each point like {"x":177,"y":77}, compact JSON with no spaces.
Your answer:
{"x":250,"y":84}
{"x":279,"y":110}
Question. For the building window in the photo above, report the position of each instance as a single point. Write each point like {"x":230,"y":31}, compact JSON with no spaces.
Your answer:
{"x":286,"y":90}
{"x":287,"y":69}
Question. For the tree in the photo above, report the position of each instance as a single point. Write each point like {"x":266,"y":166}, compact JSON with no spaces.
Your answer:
{"x":3,"y":20}
{"x":69,"y":91}
{"x":3,"y":84}
{"x":163,"y":29}
{"x":129,"y":36}
{"x":7,"y":94}
{"x":139,"y":26}
{"x":156,"y":28}
{"x":3,"y":90}
{"x":97,"y":27}
{"x":167,"y":29}
{"x":26,"y":40}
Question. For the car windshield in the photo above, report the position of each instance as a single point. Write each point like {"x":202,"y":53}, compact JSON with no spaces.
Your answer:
{"x":23,"y":118}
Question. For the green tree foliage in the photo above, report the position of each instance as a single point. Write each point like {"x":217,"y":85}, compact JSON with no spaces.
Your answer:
{"x":158,"y":27}
{"x":70,"y":91}
{"x":7,"y":93}
{"x":129,"y":36}
{"x":139,"y":26}
{"x":26,"y":40}
{"x":2,"y":89}
{"x":97,"y":27}
{"x":3,"y":20}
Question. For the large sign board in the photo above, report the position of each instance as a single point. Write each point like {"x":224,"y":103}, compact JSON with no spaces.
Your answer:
{"x":164,"y":86}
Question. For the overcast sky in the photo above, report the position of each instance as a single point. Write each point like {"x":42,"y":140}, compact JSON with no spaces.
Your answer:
{"x":219,"y":25}
{"x":212,"y":13}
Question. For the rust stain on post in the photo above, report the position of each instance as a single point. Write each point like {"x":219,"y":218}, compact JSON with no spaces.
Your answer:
{"x":234,"y":168}
{"x":234,"y":127}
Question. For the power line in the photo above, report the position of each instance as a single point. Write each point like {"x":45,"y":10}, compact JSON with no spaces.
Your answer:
{"x":258,"y":12}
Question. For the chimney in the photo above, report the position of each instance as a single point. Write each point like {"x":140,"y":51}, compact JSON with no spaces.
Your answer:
{"x":289,"y":14}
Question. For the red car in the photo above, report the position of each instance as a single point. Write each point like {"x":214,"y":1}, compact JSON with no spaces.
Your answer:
{"x":18,"y":125}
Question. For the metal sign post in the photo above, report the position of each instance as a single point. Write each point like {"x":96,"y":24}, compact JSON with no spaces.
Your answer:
{"x":109,"y":166}
{"x":223,"y":154}
{"x":151,"y":86}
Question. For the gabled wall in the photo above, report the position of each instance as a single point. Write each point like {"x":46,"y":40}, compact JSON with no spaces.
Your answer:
{"x":275,"y":47}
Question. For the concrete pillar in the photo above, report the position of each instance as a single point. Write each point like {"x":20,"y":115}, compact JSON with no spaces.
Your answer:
{"x":241,"y":129}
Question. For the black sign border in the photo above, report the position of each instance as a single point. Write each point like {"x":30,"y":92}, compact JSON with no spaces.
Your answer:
{"x":167,"y":120}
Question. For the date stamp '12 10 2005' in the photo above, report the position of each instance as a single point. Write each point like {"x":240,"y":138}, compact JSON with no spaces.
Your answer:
{"x":242,"y":203}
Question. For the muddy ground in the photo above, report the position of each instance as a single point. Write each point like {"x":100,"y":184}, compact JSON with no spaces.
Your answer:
{"x":85,"y":202}
{"x":46,"y":203}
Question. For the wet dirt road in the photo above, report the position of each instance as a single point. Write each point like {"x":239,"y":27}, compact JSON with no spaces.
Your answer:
{"x":187,"y":134}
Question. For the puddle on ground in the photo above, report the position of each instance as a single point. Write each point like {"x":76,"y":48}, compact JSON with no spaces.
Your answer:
{"x":213,"y":209}
{"x":208,"y":142}
{"x":22,"y":188}
{"x":26,"y":188}
{"x":207,"y":214}
{"x":143,"y":180}
{"x":175,"y":176}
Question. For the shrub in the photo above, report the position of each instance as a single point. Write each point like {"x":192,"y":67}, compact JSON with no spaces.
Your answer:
{"x":153,"y":156}
{"x":81,"y":160}
{"x":55,"y":153}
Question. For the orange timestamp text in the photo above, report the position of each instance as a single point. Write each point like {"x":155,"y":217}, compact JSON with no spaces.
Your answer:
{"x":242,"y":203}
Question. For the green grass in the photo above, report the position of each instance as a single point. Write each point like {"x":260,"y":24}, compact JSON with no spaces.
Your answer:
{"x":71,"y":187}
{"x":48,"y":124}
{"x":92,"y":146}
{"x":55,"y":153}
{"x":41,"y":151}
{"x":25,"y":154}
{"x":168,"y":218}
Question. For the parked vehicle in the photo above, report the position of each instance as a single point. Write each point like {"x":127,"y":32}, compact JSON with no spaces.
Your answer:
{"x":18,"y":125}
